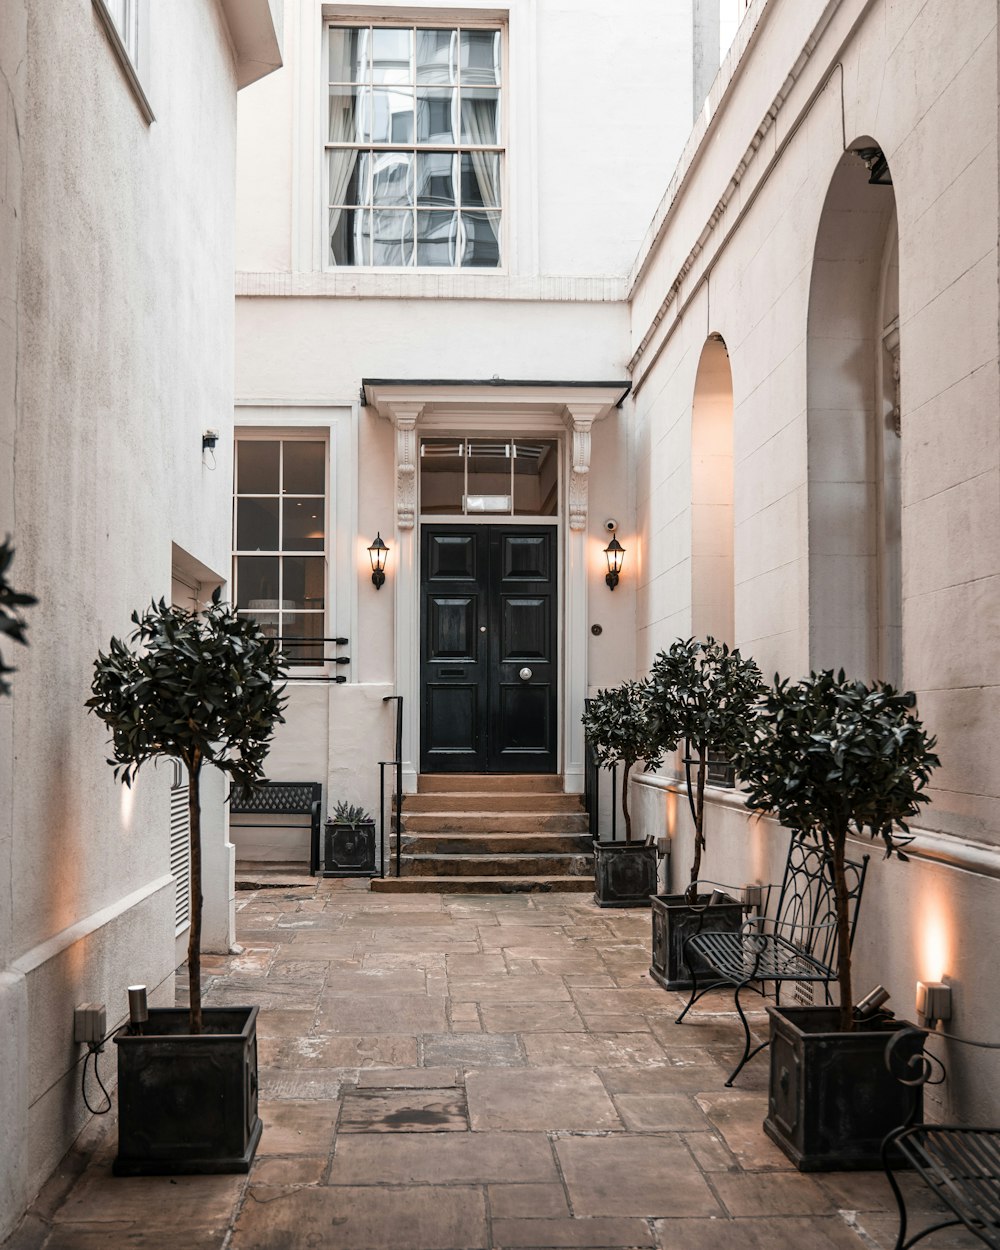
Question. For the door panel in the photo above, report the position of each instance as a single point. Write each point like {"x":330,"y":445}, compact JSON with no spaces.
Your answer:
{"x":454,"y":604}
{"x":524,"y":629}
{"x":488,"y":649}
{"x":452,"y":627}
{"x":526,"y":556}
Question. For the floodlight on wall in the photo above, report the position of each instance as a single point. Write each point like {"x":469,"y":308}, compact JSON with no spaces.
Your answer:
{"x":878,"y":166}
{"x":377,"y":553}
{"x":614,"y":553}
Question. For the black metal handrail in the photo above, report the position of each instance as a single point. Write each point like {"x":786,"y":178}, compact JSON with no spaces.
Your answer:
{"x":396,"y":763}
{"x":285,"y":641}
{"x":592,"y":790}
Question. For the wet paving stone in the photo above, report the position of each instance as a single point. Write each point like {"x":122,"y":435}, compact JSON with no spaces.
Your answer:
{"x":404,"y":1111}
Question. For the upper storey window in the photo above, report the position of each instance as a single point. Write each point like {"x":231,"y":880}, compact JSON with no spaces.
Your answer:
{"x":414,"y":146}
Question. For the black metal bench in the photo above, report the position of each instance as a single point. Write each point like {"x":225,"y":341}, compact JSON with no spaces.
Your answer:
{"x":959,"y":1164}
{"x":284,"y":798}
{"x":799,"y":944}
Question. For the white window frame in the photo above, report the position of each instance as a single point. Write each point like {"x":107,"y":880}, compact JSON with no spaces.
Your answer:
{"x":314,"y":434}
{"x":129,"y":38}
{"x":436,"y":19}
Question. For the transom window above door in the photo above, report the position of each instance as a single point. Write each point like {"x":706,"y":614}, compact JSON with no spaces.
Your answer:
{"x":414,"y":147}
{"x":484,"y":476}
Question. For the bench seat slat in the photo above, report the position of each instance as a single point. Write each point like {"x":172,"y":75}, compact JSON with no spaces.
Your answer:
{"x":962,"y":1166}
{"x":738,"y":956}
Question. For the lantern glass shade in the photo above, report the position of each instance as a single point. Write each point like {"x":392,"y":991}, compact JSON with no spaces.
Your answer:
{"x":614,"y":553}
{"x":377,"y":553}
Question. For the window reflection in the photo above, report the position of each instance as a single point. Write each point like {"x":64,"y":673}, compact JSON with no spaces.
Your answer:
{"x":469,"y":477}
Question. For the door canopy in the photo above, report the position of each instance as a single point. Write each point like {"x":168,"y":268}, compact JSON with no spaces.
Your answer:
{"x":529,"y":407}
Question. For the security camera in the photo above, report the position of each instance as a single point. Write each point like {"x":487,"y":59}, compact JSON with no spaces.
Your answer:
{"x":611,"y":524}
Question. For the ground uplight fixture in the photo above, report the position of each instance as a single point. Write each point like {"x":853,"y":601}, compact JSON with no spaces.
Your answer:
{"x":614,"y":553}
{"x":377,"y":553}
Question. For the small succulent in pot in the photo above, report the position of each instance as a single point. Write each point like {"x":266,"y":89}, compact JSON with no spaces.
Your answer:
{"x":618,"y":728}
{"x":349,"y":814}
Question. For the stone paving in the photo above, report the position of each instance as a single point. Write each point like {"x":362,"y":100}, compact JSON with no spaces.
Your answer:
{"x":441,"y":1072}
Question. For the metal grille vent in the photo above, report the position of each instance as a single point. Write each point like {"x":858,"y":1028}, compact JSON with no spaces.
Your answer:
{"x":180,"y":849}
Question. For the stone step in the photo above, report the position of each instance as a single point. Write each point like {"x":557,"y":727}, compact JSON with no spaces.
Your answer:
{"x":496,"y":843}
{"x":504,"y":783}
{"x":486,"y":800}
{"x":497,"y":821}
{"x":497,"y":866}
{"x":483,"y":885}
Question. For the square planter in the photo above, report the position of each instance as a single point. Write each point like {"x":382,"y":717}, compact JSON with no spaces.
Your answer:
{"x":831,"y":1098}
{"x":348,"y":850}
{"x":187,"y":1103}
{"x":625,"y":874}
{"x":674,"y":921}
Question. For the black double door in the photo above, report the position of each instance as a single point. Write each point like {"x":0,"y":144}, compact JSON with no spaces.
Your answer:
{"x":488,"y":649}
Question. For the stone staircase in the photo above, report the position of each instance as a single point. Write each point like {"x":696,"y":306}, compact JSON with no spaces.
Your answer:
{"x":491,"y":834}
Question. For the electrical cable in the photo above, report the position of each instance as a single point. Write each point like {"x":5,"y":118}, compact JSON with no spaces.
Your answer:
{"x":965,"y":1041}
{"x":93,"y":1050}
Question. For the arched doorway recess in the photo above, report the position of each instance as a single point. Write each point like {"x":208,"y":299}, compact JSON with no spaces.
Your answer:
{"x":854,"y":426}
{"x":712,"y":609}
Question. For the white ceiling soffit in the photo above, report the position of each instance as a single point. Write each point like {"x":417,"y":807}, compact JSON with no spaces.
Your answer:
{"x":531,"y":399}
{"x":255,"y":29}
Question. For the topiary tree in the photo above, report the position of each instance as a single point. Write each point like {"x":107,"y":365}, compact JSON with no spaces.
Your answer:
{"x":618,"y":728}
{"x":704,"y":695}
{"x":200,"y":688}
{"x":830,"y":756}
{"x":11,"y":622}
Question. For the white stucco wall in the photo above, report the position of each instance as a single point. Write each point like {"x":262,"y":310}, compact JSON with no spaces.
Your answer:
{"x":116,"y":256}
{"x":732,"y":251}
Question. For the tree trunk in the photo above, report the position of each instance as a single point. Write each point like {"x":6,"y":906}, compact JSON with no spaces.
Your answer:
{"x":697,"y":803}
{"x":194,"y":939}
{"x":628,"y":818}
{"x":839,"y":848}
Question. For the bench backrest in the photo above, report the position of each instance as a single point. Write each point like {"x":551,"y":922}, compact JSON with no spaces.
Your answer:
{"x":806,"y":911}
{"x":290,"y":798}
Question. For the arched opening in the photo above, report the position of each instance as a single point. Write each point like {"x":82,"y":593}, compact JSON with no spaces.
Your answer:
{"x":712,"y":495}
{"x":855,"y":596}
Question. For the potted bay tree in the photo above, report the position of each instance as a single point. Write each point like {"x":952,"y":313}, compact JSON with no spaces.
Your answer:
{"x":202,"y":688}
{"x":619,"y":731}
{"x":703,"y":696}
{"x":834,"y":758}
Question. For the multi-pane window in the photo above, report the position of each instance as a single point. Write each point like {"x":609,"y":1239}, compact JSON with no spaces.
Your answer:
{"x":280,"y":540}
{"x":476,"y":476}
{"x":413,"y":146}
{"x":125,"y":15}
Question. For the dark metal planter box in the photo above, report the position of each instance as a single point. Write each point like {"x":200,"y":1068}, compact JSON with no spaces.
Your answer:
{"x":625,"y":873}
{"x":187,"y":1103}
{"x":348,"y":850}
{"x":674,"y":921}
{"x":831,"y":1098}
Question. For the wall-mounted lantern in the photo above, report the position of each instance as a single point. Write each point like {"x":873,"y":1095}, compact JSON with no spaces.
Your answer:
{"x":614,"y":553}
{"x":377,"y":553}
